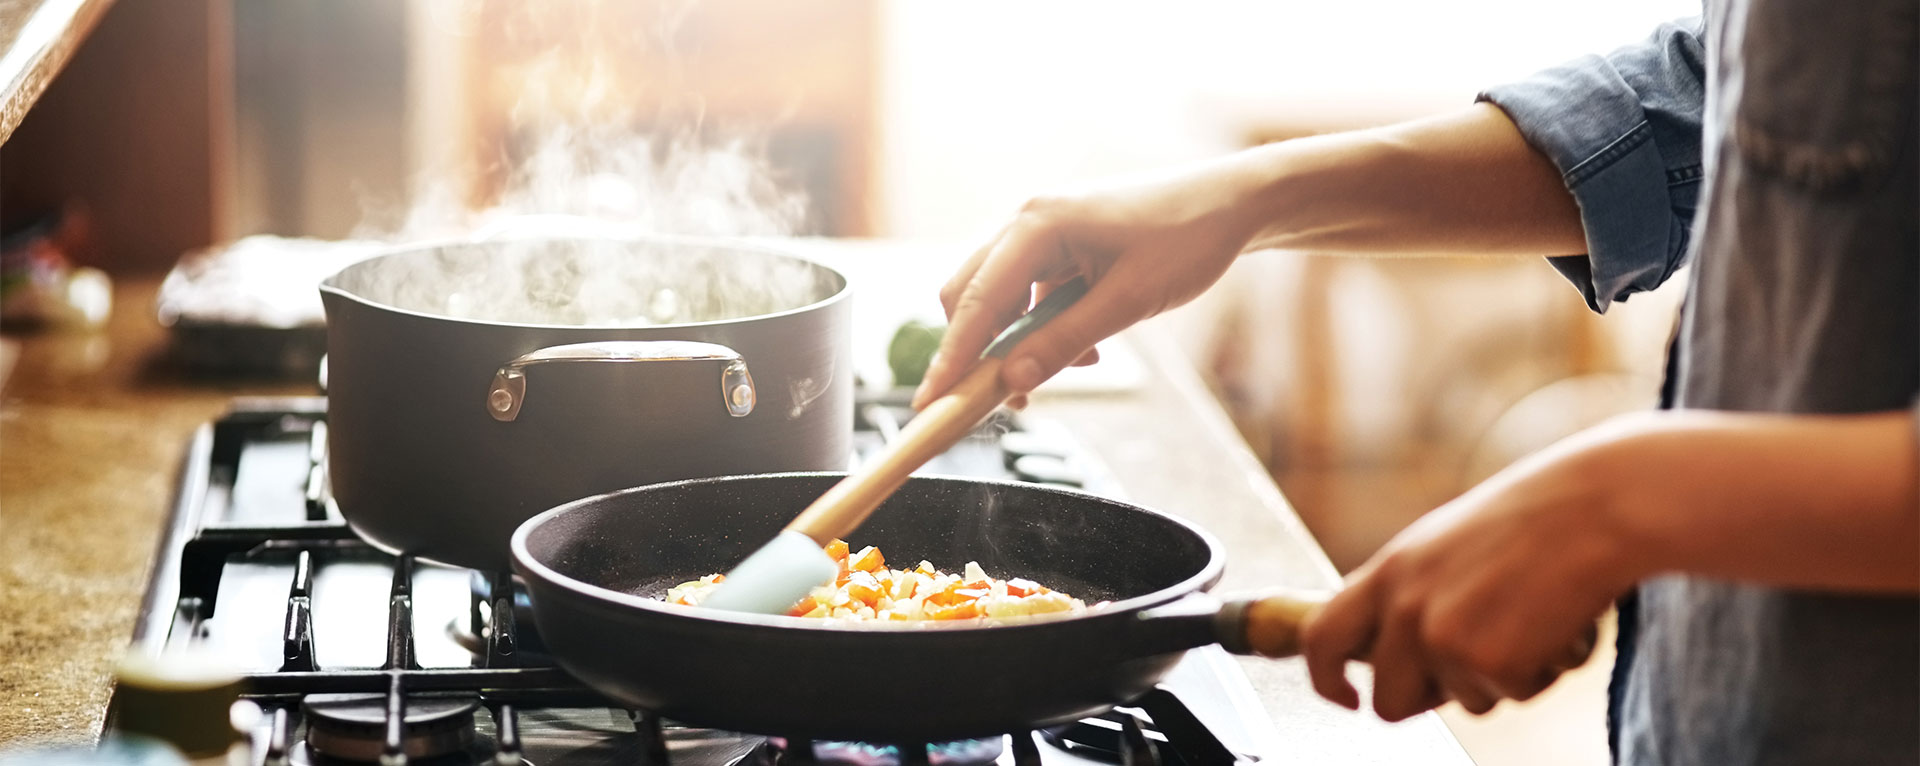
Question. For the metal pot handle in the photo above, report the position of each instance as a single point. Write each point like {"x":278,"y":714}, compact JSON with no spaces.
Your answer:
{"x":509,"y":390}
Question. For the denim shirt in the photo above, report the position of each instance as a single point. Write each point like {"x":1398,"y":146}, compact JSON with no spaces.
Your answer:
{"x":1773,"y":146}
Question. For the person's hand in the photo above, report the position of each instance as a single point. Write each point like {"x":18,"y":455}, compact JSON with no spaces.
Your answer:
{"x":1143,"y":247}
{"x":1489,"y":597}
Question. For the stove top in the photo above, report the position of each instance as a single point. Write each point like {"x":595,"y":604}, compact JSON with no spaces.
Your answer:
{"x":358,"y":656}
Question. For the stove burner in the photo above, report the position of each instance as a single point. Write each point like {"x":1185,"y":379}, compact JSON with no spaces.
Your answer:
{"x":352,"y":727}
{"x":274,"y":550}
{"x":777,"y":752}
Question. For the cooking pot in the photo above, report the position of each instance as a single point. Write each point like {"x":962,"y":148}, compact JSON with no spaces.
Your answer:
{"x":472,"y":385}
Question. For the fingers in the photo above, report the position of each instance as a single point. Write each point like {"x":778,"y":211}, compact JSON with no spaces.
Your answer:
{"x":1401,"y":685}
{"x":983,"y":300}
{"x":1423,"y":658}
{"x":1104,"y":310}
{"x":1092,"y":356}
{"x":950,"y":292}
{"x":1463,"y":688}
{"x":1342,"y":631}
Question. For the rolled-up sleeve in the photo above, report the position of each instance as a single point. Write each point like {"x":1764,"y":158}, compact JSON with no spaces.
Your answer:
{"x":1624,"y":130}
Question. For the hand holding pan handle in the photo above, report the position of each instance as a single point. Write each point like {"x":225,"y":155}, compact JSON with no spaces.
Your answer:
{"x":1268,"y":624}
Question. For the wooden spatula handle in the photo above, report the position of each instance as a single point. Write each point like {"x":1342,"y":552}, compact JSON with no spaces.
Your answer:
{"x":946,"y":420}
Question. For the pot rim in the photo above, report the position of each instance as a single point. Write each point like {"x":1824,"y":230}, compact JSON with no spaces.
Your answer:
{"x":532,"y":567}
{"x":329,"y":287}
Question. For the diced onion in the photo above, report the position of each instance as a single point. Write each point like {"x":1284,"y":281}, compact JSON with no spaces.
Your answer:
{"x":921,"y":593}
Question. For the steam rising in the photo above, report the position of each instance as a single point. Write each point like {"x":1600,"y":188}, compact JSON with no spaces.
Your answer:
{"x":564,"y":229}
{"x":589,"y":281}
{"x":607,"y":173}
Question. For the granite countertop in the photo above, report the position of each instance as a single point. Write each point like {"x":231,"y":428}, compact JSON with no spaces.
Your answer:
{"x":36,"y":38}
{"x":92,"y":428}
{"x":93,"y":425}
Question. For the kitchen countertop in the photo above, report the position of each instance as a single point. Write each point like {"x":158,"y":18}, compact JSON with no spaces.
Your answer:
{"x":93,"y":425}
{"x":36,"y":38}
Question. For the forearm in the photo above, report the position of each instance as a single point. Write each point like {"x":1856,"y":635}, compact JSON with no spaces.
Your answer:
{"x":1461,"y":183}
{"x":1798,"y":501}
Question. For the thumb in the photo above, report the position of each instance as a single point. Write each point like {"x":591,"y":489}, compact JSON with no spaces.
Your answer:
{"x":1103,"y":312}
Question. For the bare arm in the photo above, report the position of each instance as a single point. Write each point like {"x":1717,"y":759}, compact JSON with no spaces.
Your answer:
{"x":1465,"y":182}
{"x":1478,"y":600}
{"x":1828,"y":502}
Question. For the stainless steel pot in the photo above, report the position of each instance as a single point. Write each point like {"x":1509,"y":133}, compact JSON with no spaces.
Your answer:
{"x":473,"y":385}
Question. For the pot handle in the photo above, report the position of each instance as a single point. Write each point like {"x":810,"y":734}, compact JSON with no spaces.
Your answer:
{"x":509,"y":390}
{"x":1269,"y":624}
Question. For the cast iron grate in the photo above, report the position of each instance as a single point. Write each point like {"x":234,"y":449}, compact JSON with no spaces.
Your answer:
{"x":194,"y":556}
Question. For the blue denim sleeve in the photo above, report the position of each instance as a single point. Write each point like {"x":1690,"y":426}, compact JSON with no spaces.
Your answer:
{"x":1624,"y":130}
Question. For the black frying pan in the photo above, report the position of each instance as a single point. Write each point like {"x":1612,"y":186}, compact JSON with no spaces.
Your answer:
{"x":596,"y":569}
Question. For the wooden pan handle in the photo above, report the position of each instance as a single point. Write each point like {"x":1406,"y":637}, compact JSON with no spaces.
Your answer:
{"x":1270,"y":625}
{"x":945,"y":421}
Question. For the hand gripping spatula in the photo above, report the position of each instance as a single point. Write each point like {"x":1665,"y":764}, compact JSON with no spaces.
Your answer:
{"x":781,"y":572}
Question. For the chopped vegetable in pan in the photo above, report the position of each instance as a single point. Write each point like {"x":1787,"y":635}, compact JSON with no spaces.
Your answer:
{"x":867,"y":590}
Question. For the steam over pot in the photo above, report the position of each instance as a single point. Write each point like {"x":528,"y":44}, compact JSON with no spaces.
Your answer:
{"x":473,"y":385}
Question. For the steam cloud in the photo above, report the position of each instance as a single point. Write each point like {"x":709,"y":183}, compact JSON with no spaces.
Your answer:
{"x":558,"y":240}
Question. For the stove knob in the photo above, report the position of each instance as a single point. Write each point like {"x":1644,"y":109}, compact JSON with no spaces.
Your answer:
{"x":1048,"y":469}
{"x":1018,"y":444}
{"x":189,"y":699}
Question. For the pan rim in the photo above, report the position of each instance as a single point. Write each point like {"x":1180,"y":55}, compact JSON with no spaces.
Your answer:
{"x":523,"y":560}
{"x":331,"y":286}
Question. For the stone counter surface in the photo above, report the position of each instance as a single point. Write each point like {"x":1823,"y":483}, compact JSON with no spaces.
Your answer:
{"x":92,"y":429}
{"x":36,"y":39}
{"x":93,"y":426}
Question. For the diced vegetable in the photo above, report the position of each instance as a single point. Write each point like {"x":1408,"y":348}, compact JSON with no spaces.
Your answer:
{"x":868,"y":560}
{"x":865,"y":589}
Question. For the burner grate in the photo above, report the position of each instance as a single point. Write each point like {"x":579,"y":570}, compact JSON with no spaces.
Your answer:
{"x":533,"y":708}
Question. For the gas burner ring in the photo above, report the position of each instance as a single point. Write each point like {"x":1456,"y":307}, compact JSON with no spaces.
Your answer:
{"x":776,"y":751}
{"x":352,"y":727}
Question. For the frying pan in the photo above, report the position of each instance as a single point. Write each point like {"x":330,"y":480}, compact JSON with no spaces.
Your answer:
{"x":597,"y":568}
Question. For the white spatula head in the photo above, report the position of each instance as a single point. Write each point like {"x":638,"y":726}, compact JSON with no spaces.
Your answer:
{"x":775,"y":577}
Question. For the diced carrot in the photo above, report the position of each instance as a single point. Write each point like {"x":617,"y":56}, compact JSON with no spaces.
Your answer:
{"x":837,"y":549}
{"x":961,"y":611}
{"x":868,"y":560}
{"x":862,"y":587}
{"x":1021,"y":586}
{"x":806,"y":605}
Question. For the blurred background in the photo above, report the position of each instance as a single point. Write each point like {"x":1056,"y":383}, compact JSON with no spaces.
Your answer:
{"x":1373,"y":389}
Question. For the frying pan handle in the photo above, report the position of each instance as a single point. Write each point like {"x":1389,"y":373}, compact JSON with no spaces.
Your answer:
{"x":509,"y":390}
{"x":1269,"y":624}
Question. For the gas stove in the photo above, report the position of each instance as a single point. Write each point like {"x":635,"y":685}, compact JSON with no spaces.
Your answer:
{"x":357,"y":656}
